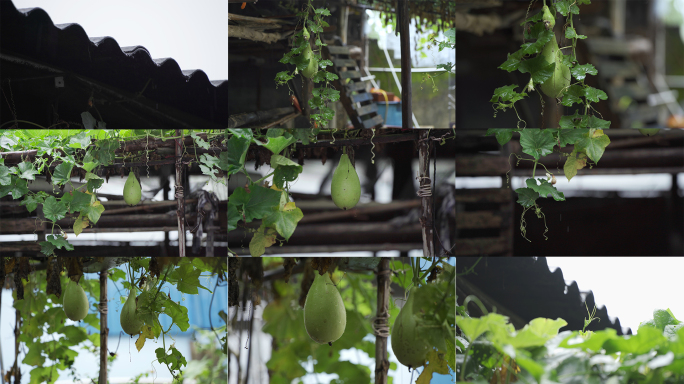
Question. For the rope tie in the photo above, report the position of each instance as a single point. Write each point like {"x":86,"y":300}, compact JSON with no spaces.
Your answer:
{"x":425,"y":189}
{"x":380,"y":326}
{"x":179,"y":192}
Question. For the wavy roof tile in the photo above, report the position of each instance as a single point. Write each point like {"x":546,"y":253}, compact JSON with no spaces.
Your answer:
{"x":29,"y":33}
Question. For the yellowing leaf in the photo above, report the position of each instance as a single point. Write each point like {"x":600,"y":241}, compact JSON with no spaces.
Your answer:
{"x":146,"y":334}
{"x":289,"y":206}
{"x":262,"y":239}
{"x":436,"y":364}
{"x":80,"y":224}
{"x":597,"y":133}
{"x":275,"y":188}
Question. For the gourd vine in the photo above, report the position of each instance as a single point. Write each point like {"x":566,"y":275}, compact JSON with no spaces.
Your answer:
{"x":550,"y":70}
{"x":589,"y":145}
{"x":308,"y":62}
{"x":91,"y":154}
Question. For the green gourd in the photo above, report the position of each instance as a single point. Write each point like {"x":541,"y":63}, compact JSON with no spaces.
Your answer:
{"x":130,"y":321}
{"x":132,"y":191}
{"x":345,"y":188}
{"x":324,"y":315}
{"x":312,"y":66}
{"x":75,"y":301}
{"x":305,"y":33}
{"x":410,"y":349}
{"x":548,"y":18}
{"x":555,"y":85}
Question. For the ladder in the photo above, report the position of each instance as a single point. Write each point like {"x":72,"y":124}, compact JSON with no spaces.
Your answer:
{"x":359,"y":104}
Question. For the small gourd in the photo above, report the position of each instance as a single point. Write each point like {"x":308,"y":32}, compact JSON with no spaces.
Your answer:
{"x":345,"y":188}
{"x":410,"y":349}
{"x":324,"y":315}
{"x":75,"y":301}
{"x":132,"y":191}
{"x":130,"y":321}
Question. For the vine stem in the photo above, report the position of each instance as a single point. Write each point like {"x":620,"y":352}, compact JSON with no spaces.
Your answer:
{"x":535,"y":167}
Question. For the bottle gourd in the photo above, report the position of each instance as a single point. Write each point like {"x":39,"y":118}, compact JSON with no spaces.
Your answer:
{"x":132,"y":191}
{"x":324,"y":315}
{"x":345,"y":188}
{"x":410,"y":349}
{"x":557,"y":84}
{"x":130,"y":321}
{"x":75,"y":301}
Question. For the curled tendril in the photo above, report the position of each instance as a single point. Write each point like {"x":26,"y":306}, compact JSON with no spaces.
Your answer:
{"x":373,"y":157}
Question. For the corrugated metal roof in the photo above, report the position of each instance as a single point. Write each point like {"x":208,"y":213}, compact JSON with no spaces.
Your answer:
{"x":529,"y":289}
{"x":30,"y":33}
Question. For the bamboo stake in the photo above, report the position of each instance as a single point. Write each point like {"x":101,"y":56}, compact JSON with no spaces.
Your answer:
{"x":180,"y":195}
{"x":381,"y":322}
{"x":425,"y":192}
{"x":104,"y":331}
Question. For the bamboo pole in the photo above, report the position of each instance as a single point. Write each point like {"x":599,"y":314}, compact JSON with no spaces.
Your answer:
{"x":403,"y":25}
{"x":381,"y":322}
{"x":425,"y":193}
{"x":180,"y":196}
{"x":104,"y":331}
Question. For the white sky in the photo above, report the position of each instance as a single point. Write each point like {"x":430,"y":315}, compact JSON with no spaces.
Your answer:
{"x":630,"y":287}
{"x":195,"y":34}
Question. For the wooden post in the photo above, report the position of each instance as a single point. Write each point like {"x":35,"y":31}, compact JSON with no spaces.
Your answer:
{"x":403,"y":19}
{"x":425,"y":192}
{"x":104,"y":331}
{"x":381,"y":322}
{"x":179,"y":194}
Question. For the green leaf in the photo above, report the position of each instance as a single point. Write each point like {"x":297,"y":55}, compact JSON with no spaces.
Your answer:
{"x":18,"y":188}
{"x":595,"y":122}
{"x":507,"y":94}
{"x":178,"y":313}
{"x":186,"y":278}
{"x":233,"y":217}
{"x":284,"y":222}
{"x":286,"y":170}
{"x":62,"y":173}
{"x":257,"y":203}
{"x":593,"y":144}
{"x":503,"y":135}
{"x":544,"y":188}
{"x":573,"y":95}
{"x":570,"y":136}
{"x":27,"y":170}
{"x":571,"y":34}
{"x":199,"y":141}
{"x":537,"y":142}
{"x":593,"y":94}
{"x":526,"y":196}
{"x":579,"y":72}
{"x":5,"y":176}
{"x":54,"y":210}
{"x":82,"y":140}
{"x":539,"y":68}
